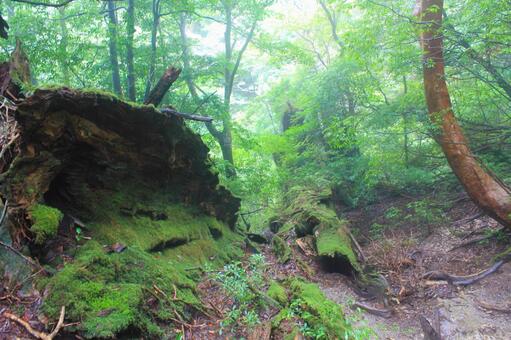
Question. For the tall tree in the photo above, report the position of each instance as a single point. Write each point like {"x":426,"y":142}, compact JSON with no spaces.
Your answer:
{"x":156,"y":10}
{"x":130,"y":32}
{"x":112,"y":44}
{"x":487,"y":191}
{"x":64,"y":63}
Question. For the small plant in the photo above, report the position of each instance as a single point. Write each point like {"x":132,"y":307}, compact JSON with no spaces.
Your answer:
{"x":393,"y":213}
{"x":243,"y":285}
{"x":376,"y":230}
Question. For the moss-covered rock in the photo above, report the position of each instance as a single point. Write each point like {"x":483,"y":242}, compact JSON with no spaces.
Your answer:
{"x":281,"y":249}
{"x":278,"y":293}
{"x":46,"y":222}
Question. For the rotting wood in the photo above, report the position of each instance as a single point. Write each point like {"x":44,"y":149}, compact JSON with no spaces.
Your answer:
{"x":158,"y":92}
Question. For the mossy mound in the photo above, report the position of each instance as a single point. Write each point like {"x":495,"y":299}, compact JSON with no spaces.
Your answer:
{"x":311,"y":313}
{"x":281,"y":249}
{"x":110,"y":293}
{"x":277,"y":292}
{"x":143,"y":288}
{"x":46,"y":222}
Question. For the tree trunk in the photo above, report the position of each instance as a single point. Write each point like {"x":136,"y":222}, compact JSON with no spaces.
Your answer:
{"x":64,"y":64}
{"x":130,"y":29}
{"x":158,"y":92}
{"x":154,"y":36}
{"x":114,"y":59}
{"x":226,"y":140}
{"x":488,"y":192}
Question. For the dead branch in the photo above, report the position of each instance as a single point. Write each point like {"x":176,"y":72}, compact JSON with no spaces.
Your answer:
{"x":35,"y":333}
{"x":470,"y":219}
{"x":158,"y":92}
{"x":477,"y":239}
{"x":462,"y":280}
{"x":187,"y":115}
{"x":384,"y":313}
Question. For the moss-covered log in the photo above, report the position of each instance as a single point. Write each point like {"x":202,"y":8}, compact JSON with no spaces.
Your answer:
{"x":308,"y":213}
{"x":118,"y":201}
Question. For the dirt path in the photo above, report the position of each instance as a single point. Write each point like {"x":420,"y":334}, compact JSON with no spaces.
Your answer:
{"x":458,"y":312}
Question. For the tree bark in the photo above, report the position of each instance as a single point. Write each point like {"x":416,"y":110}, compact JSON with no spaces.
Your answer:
{"x":64,"y":64}
{"x":114,"y":59}
{"x":155,"y":97}
{"x":487,"y":191}
{"x":130,"y":31}
{"x":154,"y":36}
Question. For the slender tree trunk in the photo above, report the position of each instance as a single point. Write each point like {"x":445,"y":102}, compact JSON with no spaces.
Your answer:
{"x":154,"y":36}
{"x":333,"y":22}
{"x":488,"y":192}
{"x":114,"y":59}
{"x":64,"y":63}
{"x":130,"y":29}
{"x":405,"y":127}
{"x":187,"y":70}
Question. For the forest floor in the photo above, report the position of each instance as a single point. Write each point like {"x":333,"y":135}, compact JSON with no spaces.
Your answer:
{"x":403,"y":253}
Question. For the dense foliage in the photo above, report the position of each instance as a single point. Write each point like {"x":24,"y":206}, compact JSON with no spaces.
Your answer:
{"x":345,"y":76}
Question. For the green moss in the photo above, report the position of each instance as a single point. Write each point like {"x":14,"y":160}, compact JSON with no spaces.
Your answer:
{"x":281,"y":249}
{"x":278,"y":293}
{"x":46,"y":222}
{"x":149,"y":283}
{"x":309,"y":215}
{"x":110,"y":293}
{"x":333,"y":241}
{"x":319,"y":312}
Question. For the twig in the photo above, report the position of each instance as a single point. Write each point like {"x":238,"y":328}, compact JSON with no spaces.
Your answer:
{"x":37,"y":334}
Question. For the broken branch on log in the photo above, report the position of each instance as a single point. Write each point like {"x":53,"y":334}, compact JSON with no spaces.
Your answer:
{"x":462,"y":280}
{"x":187,"y":115}
{"x":37,"y":334}
{"x":158,"y":92}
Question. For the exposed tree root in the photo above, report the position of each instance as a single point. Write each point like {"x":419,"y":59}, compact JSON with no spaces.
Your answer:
{"x":384,"y":313}
{"x":462,"y":280}
{"x":35,"y":333}
{"x":495,"y":308}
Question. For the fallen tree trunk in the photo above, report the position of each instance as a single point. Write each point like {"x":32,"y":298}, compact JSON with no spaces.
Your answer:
{"x":158,"y":92}
{"x":487,"y":191}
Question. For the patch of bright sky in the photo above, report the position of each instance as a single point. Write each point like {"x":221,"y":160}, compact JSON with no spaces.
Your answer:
{"x":284,"y":13}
